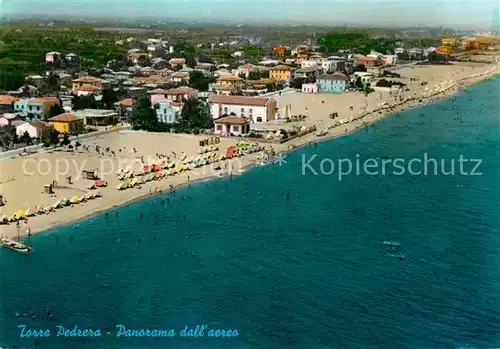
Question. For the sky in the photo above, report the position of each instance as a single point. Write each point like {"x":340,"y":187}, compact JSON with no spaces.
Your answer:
{"x":470,"y":14}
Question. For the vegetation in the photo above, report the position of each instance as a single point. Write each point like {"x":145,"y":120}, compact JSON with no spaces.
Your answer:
{"x":194,"y":117}
{"x":387,"y":83}
{"x":360,"y":68}
{"x":55,"y":110}
{"x":199,"y":81}
{"x":143,"y":117}
{"x":11,"y":78}
{"x":26,"y":47}
{"x":359,"y":42}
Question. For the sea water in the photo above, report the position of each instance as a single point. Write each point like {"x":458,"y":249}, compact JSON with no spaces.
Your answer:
{"x":285,"y":258}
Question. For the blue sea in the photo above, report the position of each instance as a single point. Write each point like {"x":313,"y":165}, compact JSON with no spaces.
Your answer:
{"x":288,"y":258}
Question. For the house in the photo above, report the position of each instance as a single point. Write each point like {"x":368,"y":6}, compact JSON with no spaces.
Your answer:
{"x":334,"y":63}
{"x":449,"y":42}
{"x":67,"y":123}
{"x":89,"y":84}
{"x":231,"y":126}
{"x":180,"y":77}
{"x":125,"y":107}
{"x":166,"y":112}
{"x":36,"y":129}
{"x":399,"y":51}
{"x":255,"y":109}
{"x":237,"y":54}
{"x":416,"y":53}
{"x":136,"y":57}
{"x":310,"y":88}
{"x":245,"y":69}
{"x":98,"y":117}
{"x":204,"y":67}
{"x":308,"y":63}
{"x":177,"y":61}
{"x":332,"y":82}
{"x":308,"y":72}
{"x":281,"y":73}
{"x":7,"y":103}
{"x":180,"y":94}
{"x":36,"y":108}
{"x":50,"y":57}
{"x":391,"y":59}
{"x":9,"y":118}
{"x":280,"y":51}
{"x":229,"y":84}
{"x":366,"y":78}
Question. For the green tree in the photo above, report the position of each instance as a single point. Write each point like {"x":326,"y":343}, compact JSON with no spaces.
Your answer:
{"x":55,"y":110}
{"x":360,"y":68}
{"x":109,"y":98}
{"x":190,"y":61}
{"x":195,"y":116}
{"x":10,"y":78}
{"x":26,"y":138}
{"x":199,"y":81}
{"x":143,"y":117}
{"x":84,"y":102}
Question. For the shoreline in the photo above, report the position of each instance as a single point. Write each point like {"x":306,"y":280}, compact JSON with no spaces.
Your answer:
{"x":250,"y":161}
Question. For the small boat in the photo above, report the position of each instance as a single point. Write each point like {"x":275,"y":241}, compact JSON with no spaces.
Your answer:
{"x":15,"y":246}
{"x":392,"y":243}
{"x":397,"y":255}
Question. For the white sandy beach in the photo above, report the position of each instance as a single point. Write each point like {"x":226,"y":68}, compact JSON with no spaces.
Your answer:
{"x":22,"y":184}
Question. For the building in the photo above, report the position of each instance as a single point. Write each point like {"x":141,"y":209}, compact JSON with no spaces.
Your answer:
{"x":255,"y":109}
{"x":308,"y":72}
{"x":36,"y":129}
{"x":90,"y":84}
{"x":36,"y":108}
{"x":334,"y":63}
{"x":136,"y":57}
{"x":180,"y":77}
{"x":166,"y":112}
{"x":125,"y":107}
{"x":50,"y":57}
{"x":180,"y":94}
{"x":245,"y":69}
{"x":9,"y":119}
{"x":452,"y":42}
{"x":281,"y":73}
{"x":177,"y":61}
{"x":391,"y":59}
{"x":7,"y":103}
{"x":228,"y":84}
{"x":280,"y":51}
{"x":366,"y":78}
{"x":231,"y":126}
{"x":332,"y":82}
{"x":310,"y":88}
{"x":67,"y":123}
{"x":97,"y":117}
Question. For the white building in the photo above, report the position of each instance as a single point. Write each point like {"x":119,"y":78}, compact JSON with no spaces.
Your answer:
{"x":35,"y":129}
{"x":366,"y":78}
{"x":309,"y":63}
{"x":49,"y":56}
{"x":255,"y":109}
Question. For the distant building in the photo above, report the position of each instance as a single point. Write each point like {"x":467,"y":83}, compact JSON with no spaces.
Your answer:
{"x":98,"y":117}
{"x":280,"y":51}
{"x":35,"y":129}
{"x":255,"y":109}
{"x":89,"y":85}
{"x":332,"y":83}
{"x":281,"y":73}
{"x":36,"y":108}
{"x":166,"y":112}
{"x":7,"y":103}
{"x":308,"y":72}
{"x":51,"y":56}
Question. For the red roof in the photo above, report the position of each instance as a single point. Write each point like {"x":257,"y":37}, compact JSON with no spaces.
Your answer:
{"x":65,"y":117}
{"x":232,"y":120}
{"x":127,"y":102}
{"x":4,"y":100}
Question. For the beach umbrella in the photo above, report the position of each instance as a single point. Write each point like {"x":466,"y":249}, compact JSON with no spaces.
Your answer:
{"x":74,"y":199}
{"x":19,"y":214}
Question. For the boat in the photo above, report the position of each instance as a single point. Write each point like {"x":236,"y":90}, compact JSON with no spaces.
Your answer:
{"x":392,"y":243}
{"x":15,"y":246}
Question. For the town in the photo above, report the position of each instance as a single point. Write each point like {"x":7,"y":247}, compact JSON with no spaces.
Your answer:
{"x":163,"y":86}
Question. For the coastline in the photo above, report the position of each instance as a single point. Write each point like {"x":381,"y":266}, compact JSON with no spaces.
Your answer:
{"x":101,"y":205}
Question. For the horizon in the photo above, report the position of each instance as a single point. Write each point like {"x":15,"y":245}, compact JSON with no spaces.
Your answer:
{"x":372,"y":13}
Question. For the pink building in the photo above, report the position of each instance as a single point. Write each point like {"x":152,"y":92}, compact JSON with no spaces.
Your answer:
{"x":49,"y":57}
{"x":309,"y":88}
{"x":391,"y":59}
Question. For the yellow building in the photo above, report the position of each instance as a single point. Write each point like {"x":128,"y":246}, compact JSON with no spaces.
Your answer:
{"x":281,"y":73}
{"x":449,"y":42}
{"x":67,"y":123}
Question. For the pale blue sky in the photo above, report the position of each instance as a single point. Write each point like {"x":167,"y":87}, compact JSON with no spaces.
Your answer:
{"x":449,"y":13}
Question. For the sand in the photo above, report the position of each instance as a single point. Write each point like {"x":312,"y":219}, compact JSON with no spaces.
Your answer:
{"x":22,"y":179}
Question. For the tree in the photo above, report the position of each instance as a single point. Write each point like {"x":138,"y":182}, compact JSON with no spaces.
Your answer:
{"x":55,"y":110}
{"x":297,"y":83}
{"x":205,"y":59}
{"x":10,"y":78}
{"x":50,"y":138}
{"x":143,"y":117}
{"x":199,"y":81}
{"x":84,"y":102}
{"x":109,"y":98}
{"x":190,"y":61}
{"x":26,"y":138}
{"x":360,"y":68}
{"x":195,"y":116}
{"x":257,"y":75}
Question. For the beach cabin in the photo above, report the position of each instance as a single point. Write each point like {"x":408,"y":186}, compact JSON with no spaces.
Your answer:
{"x":231,"y":126}
{"x":67,"y":123}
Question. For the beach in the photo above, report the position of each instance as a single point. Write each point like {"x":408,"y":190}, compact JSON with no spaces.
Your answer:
{"x":22,"y":179}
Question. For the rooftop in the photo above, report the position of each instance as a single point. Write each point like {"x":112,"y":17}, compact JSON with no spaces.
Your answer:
{"x":336,"y":76}
{"x":232,"y":120}
{"x":239,"y":100}
{"x":281,"y":67}
{"x":8,"y":99}
{"x":65,"y":117}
